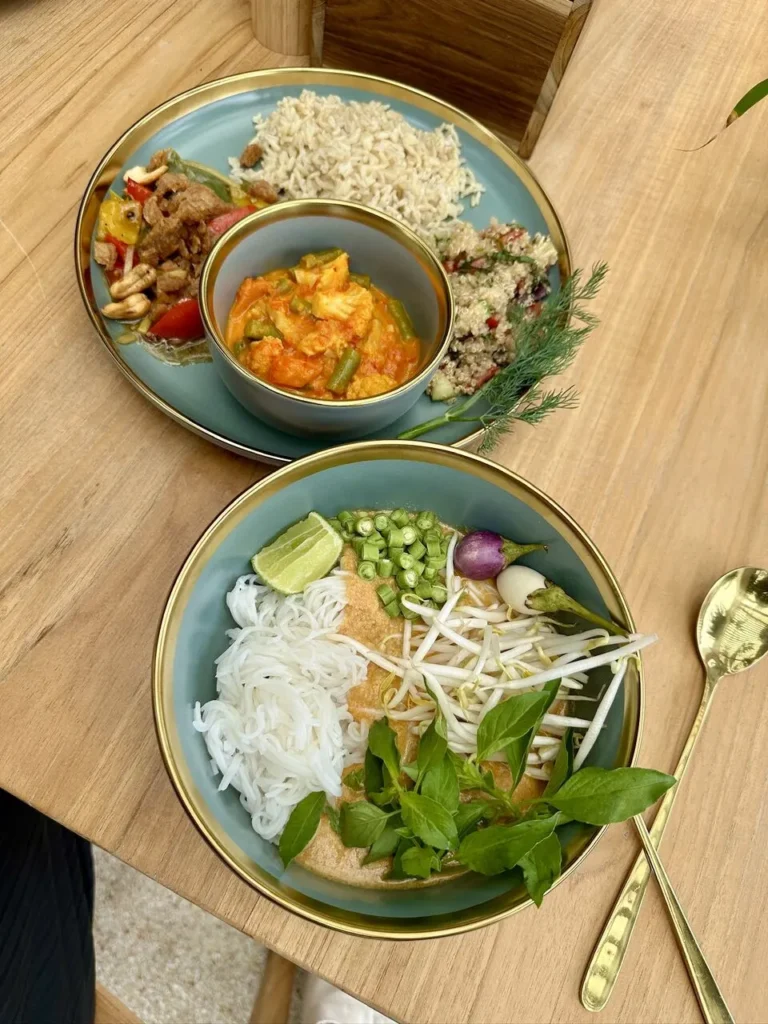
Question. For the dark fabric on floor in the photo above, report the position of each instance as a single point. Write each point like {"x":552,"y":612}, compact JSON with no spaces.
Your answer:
{"x":46,"y":909}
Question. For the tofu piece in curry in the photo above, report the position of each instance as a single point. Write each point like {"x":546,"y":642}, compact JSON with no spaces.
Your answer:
{"x":322,"y":331}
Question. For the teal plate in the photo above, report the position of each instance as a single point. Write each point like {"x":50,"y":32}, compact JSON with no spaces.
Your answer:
{"x":461,"y":488}
{"x":214,"y":121}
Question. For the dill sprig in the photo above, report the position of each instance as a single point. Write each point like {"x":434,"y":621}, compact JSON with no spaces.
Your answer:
{"x":544,"y":346}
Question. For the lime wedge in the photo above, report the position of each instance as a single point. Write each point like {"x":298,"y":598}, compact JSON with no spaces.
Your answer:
{"x":307,"y":551}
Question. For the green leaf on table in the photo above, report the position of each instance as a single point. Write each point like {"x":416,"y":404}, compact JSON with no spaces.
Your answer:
{"x":362,"y":823}
{"x":562,"y":769}
{"x":471,"y":814}
{"x":385,"y":845}
{"x":432,"y":748}
{"x":510,"y":720}
{"x":600,"y":796}
{"x":419,"y":861}
{"x":433,"y":824}
{"x":500,"y":847}
{"x":301,"y":826}
{"x":541,"y":867}
{"x":749,"y":99}
{"x":441,"y":785}
{"x":517,"y":750}
{"x":355,"y":780}
{"x":382,"y":743}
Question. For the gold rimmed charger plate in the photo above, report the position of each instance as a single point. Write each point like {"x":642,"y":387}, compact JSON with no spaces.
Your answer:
{"x":213,"y":121}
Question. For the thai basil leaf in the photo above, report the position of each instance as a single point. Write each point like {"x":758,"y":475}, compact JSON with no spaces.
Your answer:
{"x":373,"y":773}
{"x":410,"y":770}
{"x":500,"y":847}
{"x":301,"y":826}
{"x":510,"y":720}
{"x":387,"y":796}
{"x":203,"y":175}
{"x":470,"y":775}
{"x":518,"y":749}
{"x":470,"y":814}
{"x":562,"y":769}
{"x":334,"y":818}
{"x":362,"y":823}
{"x":384,"y":846}
{"x":541,"y":867}
{"x":406,"y":833}
{"x":419,"y":861}
{"x":599,"y":796}
{"x":397,"y":862}
{"x":432,"y":748}
{"x":433,"y":824}
{"x":441,"y":785}
{"x":355,"y":780}
{"x":382,"y":743}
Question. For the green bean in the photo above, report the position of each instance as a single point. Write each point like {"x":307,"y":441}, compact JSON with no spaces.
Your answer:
{"x":402,"y":320}
{"x":347,"y":535}
{"x":433,"y":548}
{"x":444,"y":545}
{"x":404,"y":560}
{"x":432,"y":534}
{"x":362,"y":279}
{"x":428,"y":604}
{"x":357,"y":545}
{"x":284,"y":285}
{"x":299,"y":305}
{"x":417,"y":549}
{"x":366,"y":571}
{"x":344,"y":371}
{"x":405,"y":611}
{"x":386,"y":568}
{"x":407,"y":579}
{"x":381,"y":522}
{"x":258,"y":329}
{"x":336,"y":525}
{"x":364,"y":526}
{"x":315,"y":259}
{"x":430,"y":573}
{"x":426,"y":520}
{"x":369,"y":553}
{"x":419,"y":568}
{"x":395,"y":538}
{"x":423,"y":589}
{"x":439,"y":593}
{"x":378,"y":541}
{"x":436,"y":563}
{"x":239,"y":347}
{"x":400,"y":517}
{"x":410,"y":534}
{"x":393,"y":609}
{"x":386,"y":594}
{"x":346,"y":518}
{"x":394,"y":553}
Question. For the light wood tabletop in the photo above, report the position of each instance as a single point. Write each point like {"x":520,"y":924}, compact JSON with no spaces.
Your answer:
{"x":664,"y":464}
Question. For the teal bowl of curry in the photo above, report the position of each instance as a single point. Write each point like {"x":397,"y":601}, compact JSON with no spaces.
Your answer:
{"x":325,"y":317}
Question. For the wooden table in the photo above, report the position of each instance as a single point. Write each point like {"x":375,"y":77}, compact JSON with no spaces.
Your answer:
{"x":665,"y":465}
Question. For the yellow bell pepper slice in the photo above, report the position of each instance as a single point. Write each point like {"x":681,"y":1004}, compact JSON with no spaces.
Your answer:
{"x":120,"y":218}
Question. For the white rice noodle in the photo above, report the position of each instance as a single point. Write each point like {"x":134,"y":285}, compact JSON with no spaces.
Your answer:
{"x":279,"y":727}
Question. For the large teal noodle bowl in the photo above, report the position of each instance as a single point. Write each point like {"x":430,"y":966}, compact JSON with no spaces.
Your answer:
{"x":462,"y":489}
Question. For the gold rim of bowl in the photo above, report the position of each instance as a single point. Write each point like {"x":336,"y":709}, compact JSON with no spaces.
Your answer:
{"x":346,"y":210}
{"x":244,"y":505}
{"x":192,"y":99}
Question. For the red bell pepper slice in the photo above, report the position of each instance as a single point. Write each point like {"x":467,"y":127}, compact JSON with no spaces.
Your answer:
{"x":182,"y":322}
{"x":224,"y":221}
{"x":136,"y":191}
{"x":121,"y":247}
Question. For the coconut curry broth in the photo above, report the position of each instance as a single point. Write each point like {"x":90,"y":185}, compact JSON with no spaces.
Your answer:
{"x":322,"y":331}
{"x":366,"y":621}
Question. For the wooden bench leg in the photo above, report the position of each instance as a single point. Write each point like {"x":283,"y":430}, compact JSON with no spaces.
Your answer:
{"x":273,"y":1002}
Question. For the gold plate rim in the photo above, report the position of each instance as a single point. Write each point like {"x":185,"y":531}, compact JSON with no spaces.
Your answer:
{"x":198,"y":96}
{"x":239,"y":508}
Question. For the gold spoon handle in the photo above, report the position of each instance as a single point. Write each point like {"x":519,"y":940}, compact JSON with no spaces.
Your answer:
{"x":713,"y":1006}
{"x":604,"y":967}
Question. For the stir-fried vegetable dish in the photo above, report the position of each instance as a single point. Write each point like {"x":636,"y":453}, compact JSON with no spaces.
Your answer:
{"x":321,"y":330}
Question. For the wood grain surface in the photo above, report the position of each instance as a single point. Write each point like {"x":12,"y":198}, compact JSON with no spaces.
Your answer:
{"x":664,"y":464}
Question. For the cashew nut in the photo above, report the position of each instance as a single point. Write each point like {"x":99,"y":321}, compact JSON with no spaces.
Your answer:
{"x":136,"y":280}
{"x":132,"y":308}
{"x":144,"y":177}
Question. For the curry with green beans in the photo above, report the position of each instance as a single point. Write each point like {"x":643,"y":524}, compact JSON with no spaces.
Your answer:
{"x":322,"y":331}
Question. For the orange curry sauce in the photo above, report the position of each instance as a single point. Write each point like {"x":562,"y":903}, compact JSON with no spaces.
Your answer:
{"x":309,"y":317}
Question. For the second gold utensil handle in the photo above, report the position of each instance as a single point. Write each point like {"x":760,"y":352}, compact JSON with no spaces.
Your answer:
{"x":711,"y":1001}
{"x":604,"y":967}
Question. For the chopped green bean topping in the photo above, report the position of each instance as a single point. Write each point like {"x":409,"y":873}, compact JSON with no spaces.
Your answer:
{"x":381,"y":522}
{"x":426,"y":520}
{"x":417,"y":550}
{"x":439,"y":593}
{"x":346,"y":517}
{"x":436,"y":563}
{"x":410,"y":534}
{"x":407,"y":579}
{"x":366,"y":571}
{"x":392,"y":609}
{"x":386,"y":593}
{"x":400,"y":517}
{"x":369,"y":552}
{"x":430,"y":573}
{"x":419,"y":567}
{"x":423,"y":589}
{"x":336,"y":525}
{"x":404,"y":560}
{"x":364,"y":526}
{"x":395,"y":538}
{"x":433,"y":548}
{"x":386,"y":568}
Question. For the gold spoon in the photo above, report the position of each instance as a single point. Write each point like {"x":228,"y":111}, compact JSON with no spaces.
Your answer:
{"x":732,"y":635}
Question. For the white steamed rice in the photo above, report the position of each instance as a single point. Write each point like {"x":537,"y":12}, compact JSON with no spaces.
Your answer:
{"x":321,"y":146}
{"x":280,"y":728}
